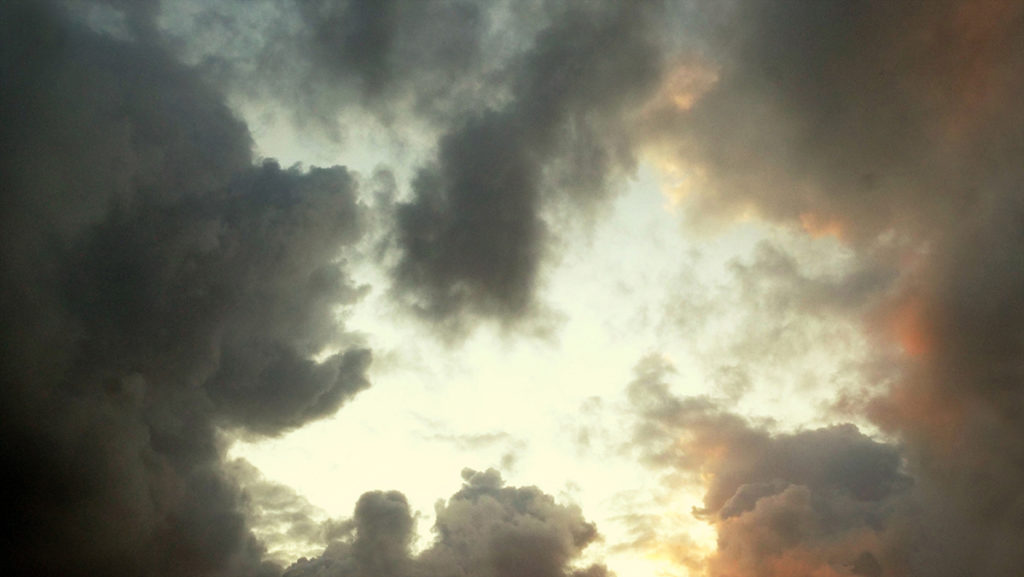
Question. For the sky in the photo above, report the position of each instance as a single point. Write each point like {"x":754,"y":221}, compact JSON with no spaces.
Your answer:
{"x":532,"y":288}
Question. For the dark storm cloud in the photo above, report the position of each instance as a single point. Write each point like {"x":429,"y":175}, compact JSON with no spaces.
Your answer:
{"x":473,"y":238}
{"x":485,"y":529}
{"x":157,"y":286}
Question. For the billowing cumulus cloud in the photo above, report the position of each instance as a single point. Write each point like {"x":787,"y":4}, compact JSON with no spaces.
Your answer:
{"x":827,"y":501}
{"x":158,"y":286}
{"x":485,"y":529}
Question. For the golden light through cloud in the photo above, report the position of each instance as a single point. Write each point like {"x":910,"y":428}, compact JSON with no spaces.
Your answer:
{"x":687,"y":83}
{"x":817,"y":226}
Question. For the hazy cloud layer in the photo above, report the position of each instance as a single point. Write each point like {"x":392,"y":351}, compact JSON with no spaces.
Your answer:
{"x":485,"y":529}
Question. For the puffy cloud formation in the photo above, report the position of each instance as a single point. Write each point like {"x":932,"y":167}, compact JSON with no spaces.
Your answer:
{"x":157,"y":286}
{"x":485,"y":529}
{"x":828,"y":501}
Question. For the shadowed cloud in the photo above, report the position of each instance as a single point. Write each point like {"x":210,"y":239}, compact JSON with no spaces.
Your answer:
{"x":158,"y":287}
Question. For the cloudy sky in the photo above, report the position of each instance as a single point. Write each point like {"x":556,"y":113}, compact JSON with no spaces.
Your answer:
{"x":532,"y":288}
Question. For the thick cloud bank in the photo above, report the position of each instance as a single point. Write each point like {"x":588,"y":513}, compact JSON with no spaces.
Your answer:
{"x":156,"y":286}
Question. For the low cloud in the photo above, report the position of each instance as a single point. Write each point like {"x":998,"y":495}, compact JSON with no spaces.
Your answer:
{"x":485,"y":529}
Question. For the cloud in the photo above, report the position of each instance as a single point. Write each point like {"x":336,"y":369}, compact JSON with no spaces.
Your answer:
{"x":332,"y":64}
{"x":813,"y":502}
{"x":485,"y":529}
{"x":163,"y":290}
{"x":896,"y":126}
{"x":472,"y":239}
{"x":159,"y":288}
{"x":528,"y":106}
{"x":287,"y":524}
{"x":869,"y":116}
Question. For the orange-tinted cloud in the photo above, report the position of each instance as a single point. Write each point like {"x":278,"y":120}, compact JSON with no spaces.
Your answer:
{"x":909,"y":327}
{"x":819,"y":226}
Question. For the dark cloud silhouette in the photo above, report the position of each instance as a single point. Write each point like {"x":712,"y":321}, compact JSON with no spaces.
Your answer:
{"x":157,"y":288}
{"x":473,"y":237}
{"x":485,"y":529}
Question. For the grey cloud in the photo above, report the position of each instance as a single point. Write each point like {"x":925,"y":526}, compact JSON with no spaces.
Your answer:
{"x":774,"y":280}
{"x":893,"y":123}
{"x":376,"y":542}
{"x":425,"y":55}
{"x":529,"y":105}
{"x":321,"y":60}
{"x":958,"y":398}
{"x":356,"y":36}
{"x":472,"y":239}
{"x":783,"y":503}
{"x":775,"y":313}
{"x":284,"y":521}
{"x":854,"y":113}
{"x":157,"y":288}
{"x":485,"y":529}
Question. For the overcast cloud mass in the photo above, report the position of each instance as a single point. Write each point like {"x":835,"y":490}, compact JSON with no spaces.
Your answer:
{"x":167,"y":290}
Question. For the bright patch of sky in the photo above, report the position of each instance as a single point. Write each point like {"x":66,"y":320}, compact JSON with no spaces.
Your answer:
{"x":551,"y":411}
